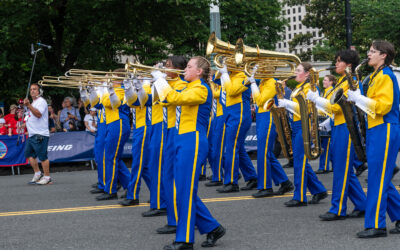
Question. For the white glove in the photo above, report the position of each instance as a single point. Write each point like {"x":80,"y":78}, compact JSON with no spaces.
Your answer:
{"x":254,"y":88}
{"x":325,"y":125}
{"x":251,"y":79}
{"x":223,"y":70}
{"x":312,"y":95}
{"x":127,"y":84}
{"x":110,"y":89}
{"x":289,"y":105}
{"x":158,"y":74}
{"x":353,"y":95}
{"x":162,"y":87}
{"x":93,"y":97}
{"x":137,"y":84}
{"x":323,"y":104}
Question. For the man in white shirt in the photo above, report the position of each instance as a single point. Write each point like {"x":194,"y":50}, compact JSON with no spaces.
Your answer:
{"x":37,"y":123}
{"x":91,"y":121}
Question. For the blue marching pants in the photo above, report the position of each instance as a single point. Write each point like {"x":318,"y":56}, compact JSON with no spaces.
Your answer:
{"x":117,"y":134}
{"x":140,"y":162}
{"x":168,"y":175}
{"x":345,"y":182}
{"x":238,"y":122}
{"x":268,"y":167}
{"x":191,"y":150}
{"x":217,"y":156}
{"x":99,"y":156}
{"x":325,"y":157}
{"x":382,"y":148}
{"x":304,"y":176}
{"x":157,"y":195}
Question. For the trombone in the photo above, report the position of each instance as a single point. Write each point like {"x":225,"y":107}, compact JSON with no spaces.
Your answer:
{"x":144,"y":72}
{"x":96,"y":74}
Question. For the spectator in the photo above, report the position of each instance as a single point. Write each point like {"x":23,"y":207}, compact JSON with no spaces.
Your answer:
{"x":3,"y":128}
{"x":10,"y":118}
{"x":71,"y":127}
{"x":69,"y":113}
{"x":91,"y":121}
{"x":19,"y":127}
{"x":54,"y":120}
{"x":82,"y":112}
{"x":38,"y":128}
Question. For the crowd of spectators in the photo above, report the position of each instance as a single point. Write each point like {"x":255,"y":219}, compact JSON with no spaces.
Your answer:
{"x":71,"y":116}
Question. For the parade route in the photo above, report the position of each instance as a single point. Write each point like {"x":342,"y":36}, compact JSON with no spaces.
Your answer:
{"x":65,"y":215}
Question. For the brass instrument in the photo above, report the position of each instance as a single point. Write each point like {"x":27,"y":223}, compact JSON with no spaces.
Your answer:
{"x":271,"y":64}
{"x":224,"y":53}
{"x":69,"y":82}
{"x":355,"y":121}
{"x":281,"y":120}
{"x":97,"y":75}
{"x":309,"y":118}
{"x":144,"y":71}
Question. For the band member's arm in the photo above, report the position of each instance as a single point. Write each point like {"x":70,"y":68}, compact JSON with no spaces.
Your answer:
{"x":268,"y":92}
{"x":236,"y":84}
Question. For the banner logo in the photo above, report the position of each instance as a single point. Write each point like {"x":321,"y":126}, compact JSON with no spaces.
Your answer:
{"x":3,"y":150}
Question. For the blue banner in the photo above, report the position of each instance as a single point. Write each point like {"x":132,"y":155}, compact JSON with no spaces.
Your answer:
{"x":12,"y":151}
{"x":250,"y":142}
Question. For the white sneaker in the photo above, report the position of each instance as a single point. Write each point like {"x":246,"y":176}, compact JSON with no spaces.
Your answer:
{"x":35,"y":179}
{"x":44,"y":181}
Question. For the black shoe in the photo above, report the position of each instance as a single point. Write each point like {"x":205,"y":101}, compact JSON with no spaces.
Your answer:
{"x":320,"y":171}
{"x":213,"y":183}
{"x":202,"y":177}
{"x":105,"y":196}
{"x":209,"y":178}
{"x":251,"y":184}
{"x":228,"y":188}
{"x":155,"y":212}
{"x":361,"y":169}
{"x":372,"y":233}
{"x":179,"y":246}
{"x":396,"y":230}
{"x":331,"y":217}
{"x":286,"y":186}
{"x":264,"y":193}
{"x":127,"y":202}
{"x":96,"y":191}
{"x":295,"y":203}
{"x":213,"y":236}
{"x":94,"y":185}
{"x":356,"y":214}
{"x":318,"y":197}
{"x":289,"y":164}
{"x":167,"y":229}
{"x":124,"y":195}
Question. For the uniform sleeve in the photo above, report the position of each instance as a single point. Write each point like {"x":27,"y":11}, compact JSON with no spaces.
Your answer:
{"x":383,"y":95}
{"x":120,"y":94}
{"x":267,"y":92}
{"x":236,"y":85}
{"x":194,"y":96}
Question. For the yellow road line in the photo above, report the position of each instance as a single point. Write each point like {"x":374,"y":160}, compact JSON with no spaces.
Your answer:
{"x":104,"y":207}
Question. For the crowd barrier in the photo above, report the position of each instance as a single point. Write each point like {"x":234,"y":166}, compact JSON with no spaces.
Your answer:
{"x":74,"y":147}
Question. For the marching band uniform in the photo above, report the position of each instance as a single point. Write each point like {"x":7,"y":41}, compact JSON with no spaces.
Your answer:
{"x":237,"y":114}
{"x":268,"y":167}
{"x":118,"y":130}
{"x":383,"y":139}
{"x":345,"y":182}
{"x":304,"y":176}
{"x":140,"y":143}
{"x":192,"y":114}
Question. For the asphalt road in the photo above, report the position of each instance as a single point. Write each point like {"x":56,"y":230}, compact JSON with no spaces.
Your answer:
{"x":66,"y":216}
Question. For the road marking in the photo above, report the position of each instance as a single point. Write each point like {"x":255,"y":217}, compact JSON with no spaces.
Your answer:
{"x":104,"y":207}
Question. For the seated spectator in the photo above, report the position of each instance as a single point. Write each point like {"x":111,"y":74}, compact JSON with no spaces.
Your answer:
{"x":69,"y":114}
{"x":3,"y":128}
{"x":54,"y":120}
{"x":71,"y":127}
{"x":83,"y":112}
{"x":91,"y":121}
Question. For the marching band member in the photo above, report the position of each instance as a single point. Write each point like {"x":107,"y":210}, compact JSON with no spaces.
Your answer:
{"x":99,"y":139}
{"x":304,"y":176}
{"x":118,"y":130}
{"x":329,"y":82}
{"x":268,"y":166}
{"x":237,"y":114}
{"x":140,"y":140}
{"x":383,"y":139}
{"x":217,"y":138}
{"x":193,"y":111}
{"x":345,"y":182}
{"x":168,"y":156}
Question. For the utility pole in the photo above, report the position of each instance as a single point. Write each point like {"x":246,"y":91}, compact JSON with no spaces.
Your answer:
{"x":215,"y":21}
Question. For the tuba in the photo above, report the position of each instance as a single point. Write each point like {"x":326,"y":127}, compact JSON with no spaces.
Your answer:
{"x":224,"y":52}
{"x":309,"y":118}
{"x":281,"y":120}
{"x":353,"y":115}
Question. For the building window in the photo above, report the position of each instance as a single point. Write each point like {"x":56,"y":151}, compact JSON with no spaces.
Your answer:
{"x":294,"y":10}
{"x":294,"y":34}
{"x":279,"y":45}
{"x":294,"y":19}
{"x":314,"y":34}
{"x":300,"y":26}
{"x":288,"y":19}
{"x":290,"y":36}
{"x":320,"y":33}
{"x":301,"y":50}
{"x":288,"y":11}
{"x":299,"y":9}
{"x":294,"y":27}
{"x":289,"y":28}
{"x":299,"y":18}
{"x":284,"y":45}
{"x":314,"y":42}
